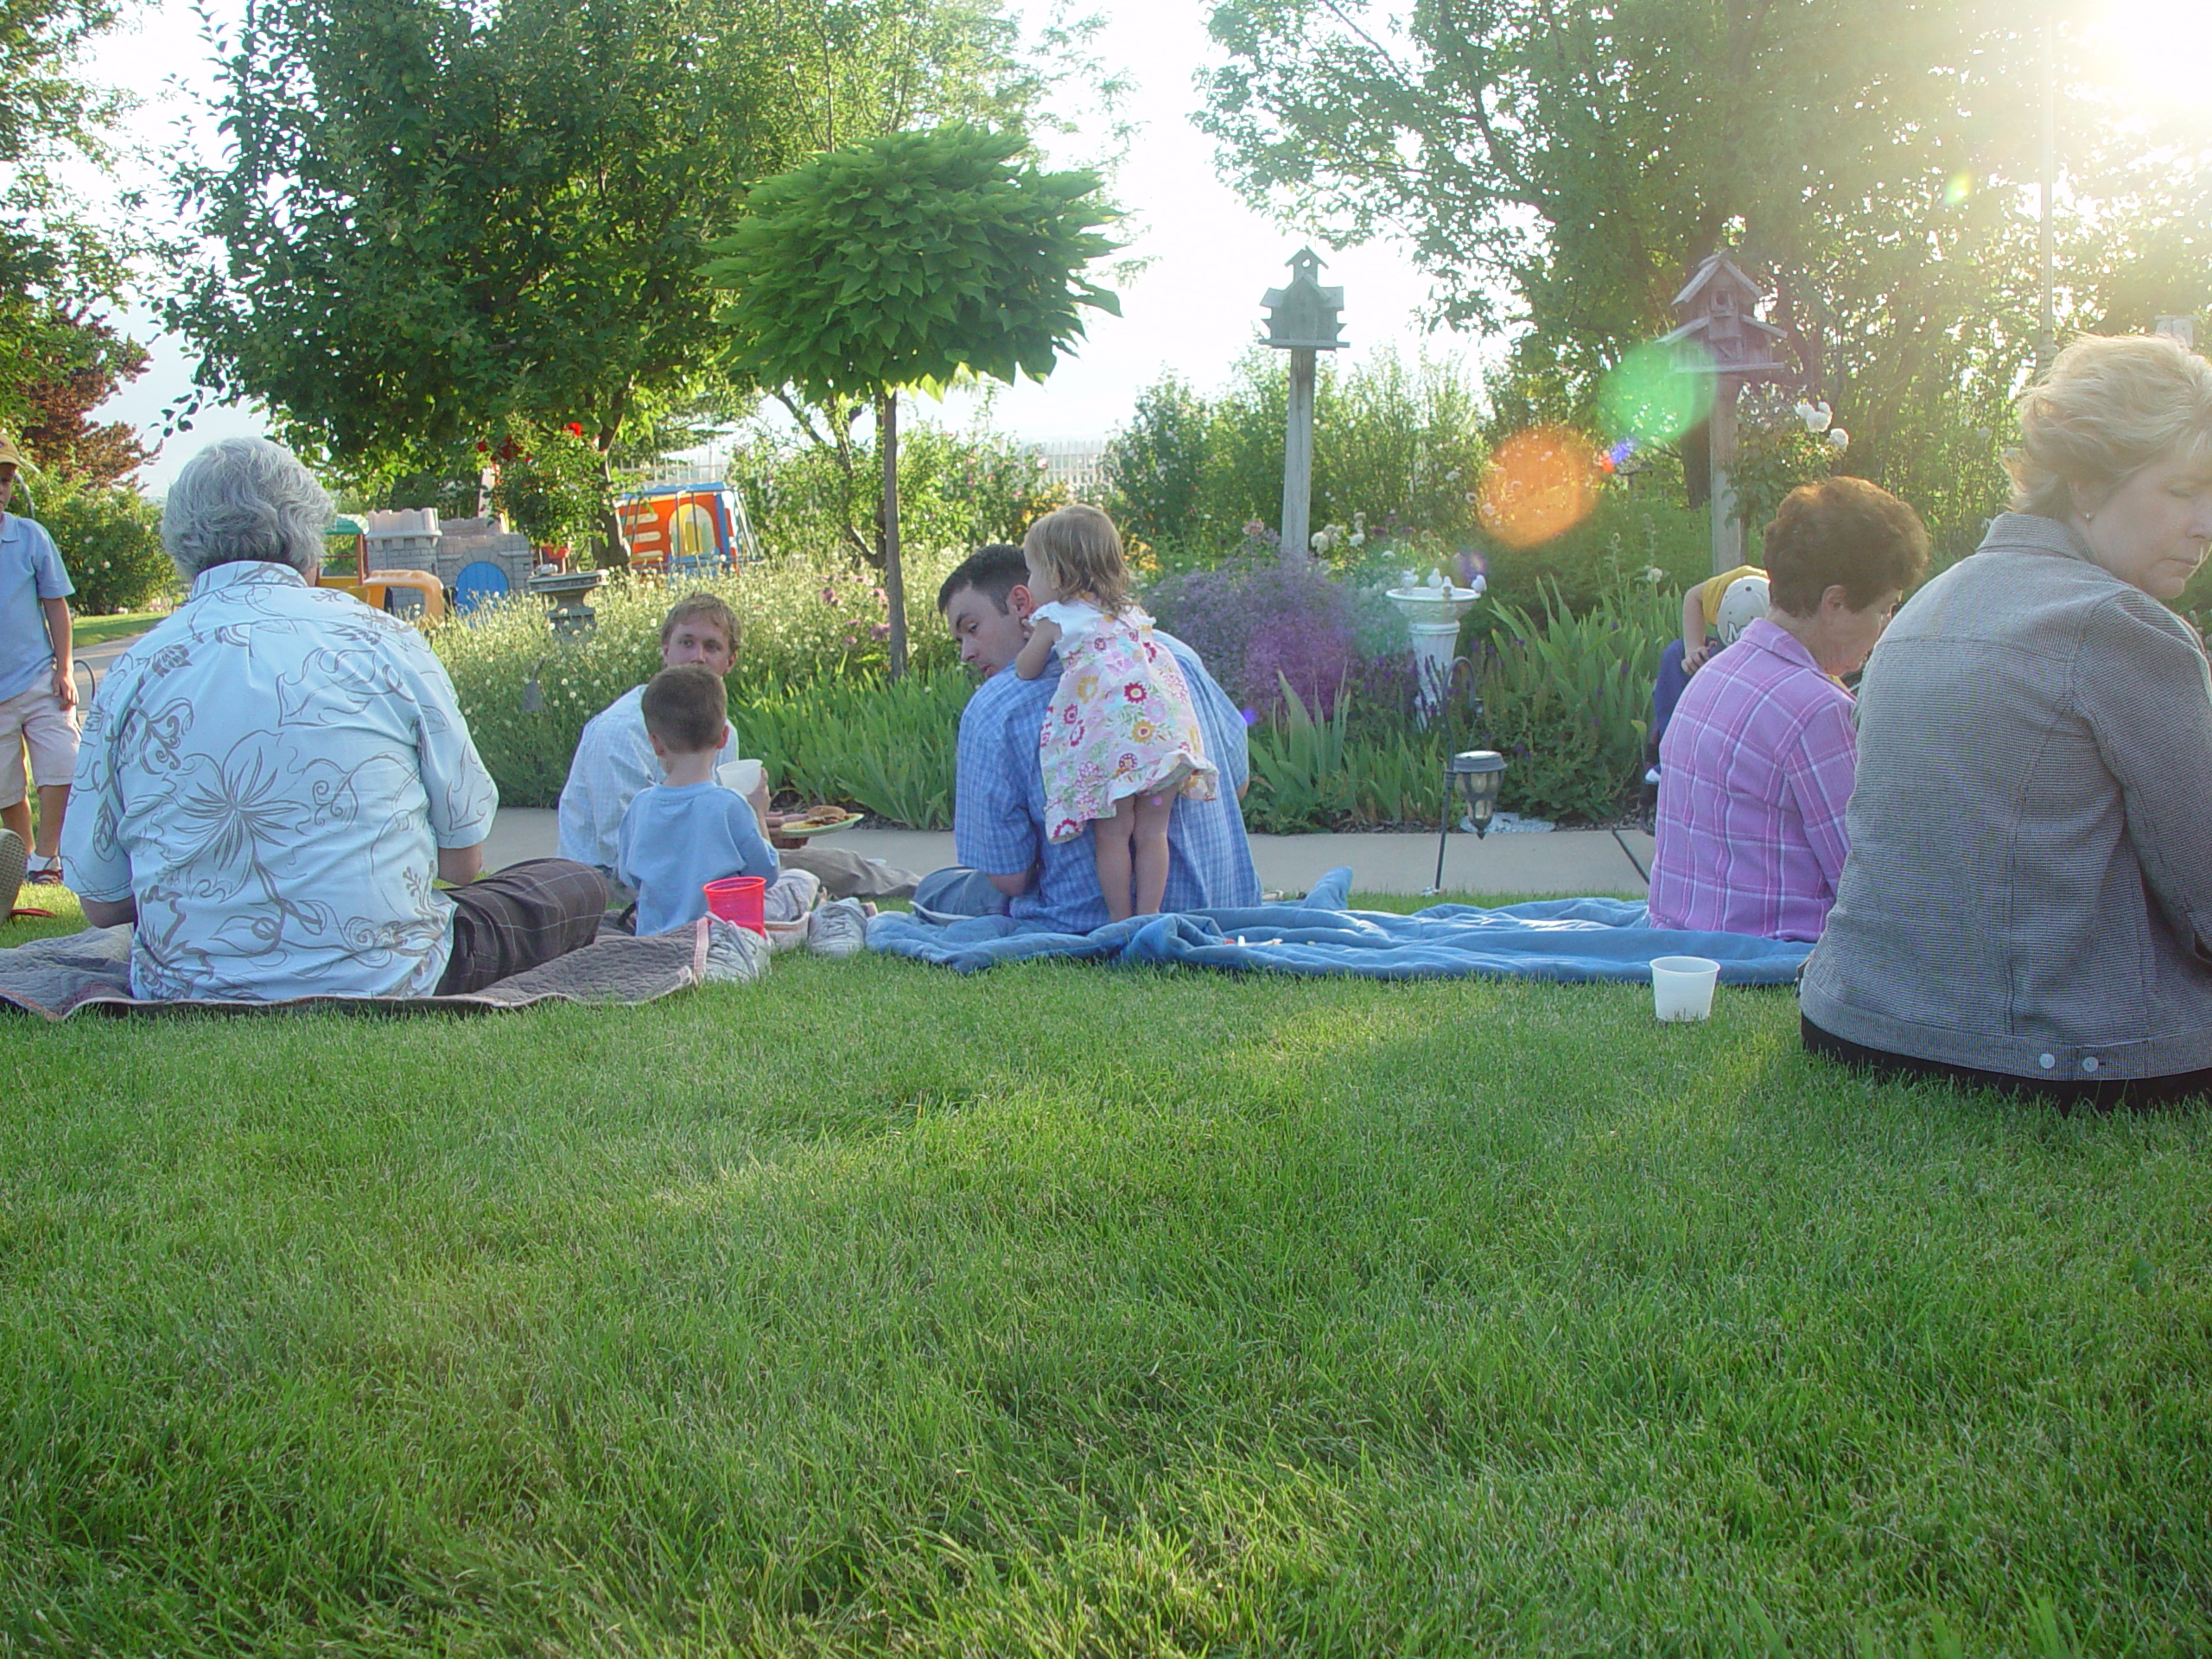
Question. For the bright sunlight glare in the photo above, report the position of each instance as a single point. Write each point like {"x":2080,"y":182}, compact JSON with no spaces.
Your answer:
{"x":2162,"y":47}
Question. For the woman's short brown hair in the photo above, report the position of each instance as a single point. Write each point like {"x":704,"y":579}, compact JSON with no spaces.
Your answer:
{"x":1841,"y":533}
{"x":2108,"y":407}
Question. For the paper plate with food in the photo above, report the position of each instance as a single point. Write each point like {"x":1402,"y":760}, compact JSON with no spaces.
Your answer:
{"x":814,"y":821}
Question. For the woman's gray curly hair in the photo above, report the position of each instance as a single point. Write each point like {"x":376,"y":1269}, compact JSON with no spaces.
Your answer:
{"x":245,"y":500}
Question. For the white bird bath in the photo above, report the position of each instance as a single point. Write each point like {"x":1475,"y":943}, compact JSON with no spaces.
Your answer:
{"x":1432,"y":610}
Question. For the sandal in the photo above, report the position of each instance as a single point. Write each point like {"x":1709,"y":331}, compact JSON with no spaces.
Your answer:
{"x":44,"y":871}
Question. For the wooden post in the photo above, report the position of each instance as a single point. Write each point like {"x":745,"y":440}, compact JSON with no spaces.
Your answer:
{"x":1298,"y":457}
{"x":894,"y":582}
{"x":1727,"y":530}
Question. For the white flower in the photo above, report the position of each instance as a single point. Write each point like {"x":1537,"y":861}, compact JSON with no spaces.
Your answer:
{"x":1839,"y":440}
{"x":1816,"y":416}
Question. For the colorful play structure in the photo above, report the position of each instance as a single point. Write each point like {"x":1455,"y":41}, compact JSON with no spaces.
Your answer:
{"x":683,"y":529}
{"x":410,"y":563}
{"x":352,"y":569}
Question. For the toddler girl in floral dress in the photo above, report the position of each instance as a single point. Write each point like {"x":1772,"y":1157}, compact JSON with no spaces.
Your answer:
{"x":1120,"y":740}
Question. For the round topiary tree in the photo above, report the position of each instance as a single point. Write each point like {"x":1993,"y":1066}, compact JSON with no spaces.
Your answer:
{"x":905,"y":263}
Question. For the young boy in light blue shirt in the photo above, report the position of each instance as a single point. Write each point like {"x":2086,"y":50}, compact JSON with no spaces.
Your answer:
{"x":681,"y":834}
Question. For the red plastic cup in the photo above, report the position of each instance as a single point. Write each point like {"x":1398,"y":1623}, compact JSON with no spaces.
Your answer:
{"x":740,"y":898}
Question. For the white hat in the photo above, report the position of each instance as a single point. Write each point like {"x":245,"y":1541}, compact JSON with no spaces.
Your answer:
{"x":1744,"y":603}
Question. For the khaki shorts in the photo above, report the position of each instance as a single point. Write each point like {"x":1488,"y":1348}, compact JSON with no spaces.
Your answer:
{"x":37,"y":719}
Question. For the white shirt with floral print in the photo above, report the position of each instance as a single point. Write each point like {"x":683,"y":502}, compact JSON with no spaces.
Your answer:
{"x":269,"y":774}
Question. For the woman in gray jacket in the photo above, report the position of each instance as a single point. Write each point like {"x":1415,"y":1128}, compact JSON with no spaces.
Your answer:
{"x":2027,"y":902}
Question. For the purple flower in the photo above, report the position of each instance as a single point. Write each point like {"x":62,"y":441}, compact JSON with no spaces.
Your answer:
{"x":829,"y":595}
{"x":881,"y":630}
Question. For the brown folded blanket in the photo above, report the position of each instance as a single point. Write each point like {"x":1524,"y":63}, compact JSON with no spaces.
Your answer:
{"x":55,"y":978}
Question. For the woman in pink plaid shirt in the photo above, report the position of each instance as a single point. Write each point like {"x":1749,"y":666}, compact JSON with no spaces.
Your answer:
{"x":1758,"y":761}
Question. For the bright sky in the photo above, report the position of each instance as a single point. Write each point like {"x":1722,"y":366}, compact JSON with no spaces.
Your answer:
{"x":1192,"y":311}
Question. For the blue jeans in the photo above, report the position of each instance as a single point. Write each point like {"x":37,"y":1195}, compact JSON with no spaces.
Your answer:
{"x":953,"y":894}
{"x":1667,"y":691}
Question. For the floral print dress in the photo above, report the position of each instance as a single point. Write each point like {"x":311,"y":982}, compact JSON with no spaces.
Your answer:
{"x":1121,"y":722}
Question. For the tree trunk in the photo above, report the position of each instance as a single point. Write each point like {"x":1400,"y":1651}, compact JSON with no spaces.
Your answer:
{"x":894,"y":582}
{"x":614,"y":553}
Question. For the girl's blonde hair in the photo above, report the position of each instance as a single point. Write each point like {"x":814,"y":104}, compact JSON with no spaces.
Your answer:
{"x":2107,"y":408}
{"x":1082,"y":551}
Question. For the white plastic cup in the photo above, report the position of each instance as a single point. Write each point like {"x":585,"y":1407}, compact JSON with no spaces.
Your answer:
{"x":1681,"y":987}
{"x":742,"y":776}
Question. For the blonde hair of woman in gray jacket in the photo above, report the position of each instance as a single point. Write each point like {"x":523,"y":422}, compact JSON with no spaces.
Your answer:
{"x":2027,"y":901}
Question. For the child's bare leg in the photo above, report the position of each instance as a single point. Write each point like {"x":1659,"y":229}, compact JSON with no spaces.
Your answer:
{"x":1109,"y":842}
{"x":1150,"y":845}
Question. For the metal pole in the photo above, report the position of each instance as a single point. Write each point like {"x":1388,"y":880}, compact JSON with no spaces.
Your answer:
{"x":2047,"y":339}
{"x":1298,"y":454}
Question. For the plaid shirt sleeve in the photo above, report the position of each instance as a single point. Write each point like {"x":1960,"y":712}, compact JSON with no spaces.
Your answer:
{"x":1819,"y":771}
{"x":992,"y":828}
{"x":1220,"y":721}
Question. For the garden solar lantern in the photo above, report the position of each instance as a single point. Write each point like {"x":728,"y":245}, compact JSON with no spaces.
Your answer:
{"x":1722,"y":335}
{"x":1474,"y":776}
{"x":1303,"y":318}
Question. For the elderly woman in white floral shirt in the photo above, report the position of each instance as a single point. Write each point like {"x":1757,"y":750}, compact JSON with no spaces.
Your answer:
{"x":272,"y":780}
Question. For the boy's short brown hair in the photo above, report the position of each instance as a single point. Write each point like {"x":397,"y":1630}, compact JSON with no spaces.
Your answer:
{"x":686,"y":708}
{"x":702,"y":607}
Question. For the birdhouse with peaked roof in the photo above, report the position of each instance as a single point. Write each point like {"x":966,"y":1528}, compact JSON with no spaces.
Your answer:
{"x":1304,"y":313}
{"x":1720,"y":310}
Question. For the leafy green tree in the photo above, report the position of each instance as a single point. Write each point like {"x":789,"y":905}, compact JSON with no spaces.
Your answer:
{"x":1566,"y":167}
{"x":76,"y":368}
{"x":58,"y":260}
{"x":436,"y":216}
{"x":109,"y":539}
{"x":1393,"y":441}
{"x":908,"y":261}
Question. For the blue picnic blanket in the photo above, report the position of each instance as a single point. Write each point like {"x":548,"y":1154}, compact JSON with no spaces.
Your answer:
{"x":1551,"y":938}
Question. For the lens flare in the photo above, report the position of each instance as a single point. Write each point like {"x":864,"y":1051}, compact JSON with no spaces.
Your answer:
{"x":1957,"y":188}
{"x":1657,"y":393}
{"x":1539,"y":484}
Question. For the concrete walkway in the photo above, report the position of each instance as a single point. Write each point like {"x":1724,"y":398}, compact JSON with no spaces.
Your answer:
{"x":1582,"y":861}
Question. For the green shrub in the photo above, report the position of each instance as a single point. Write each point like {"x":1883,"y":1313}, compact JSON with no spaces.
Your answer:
{"x":886,"y":745}
{"x":1394,"y":443}
{"x":111,"y":543}
{"x":957,"y":491}
{"x":552,"y":484}
{"x":1567,"y":700}
{"x":1315,"y":772}
{"x":1639,"y":523}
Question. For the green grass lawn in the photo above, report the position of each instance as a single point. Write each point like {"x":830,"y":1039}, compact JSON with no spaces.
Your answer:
{"x":1060,"y":1310}
{"x":96,"y":630}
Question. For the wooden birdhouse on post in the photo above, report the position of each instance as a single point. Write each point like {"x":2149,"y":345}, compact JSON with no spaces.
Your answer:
{"x":1303,"y":318}
{"x":1721,"y":334}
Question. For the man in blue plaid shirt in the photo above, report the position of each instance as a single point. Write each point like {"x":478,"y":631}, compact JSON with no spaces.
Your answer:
{"x":998,"y":810}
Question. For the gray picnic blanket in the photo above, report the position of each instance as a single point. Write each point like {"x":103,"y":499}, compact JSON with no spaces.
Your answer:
{"x":55,"y":978}
{"x":1561,"y":939}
